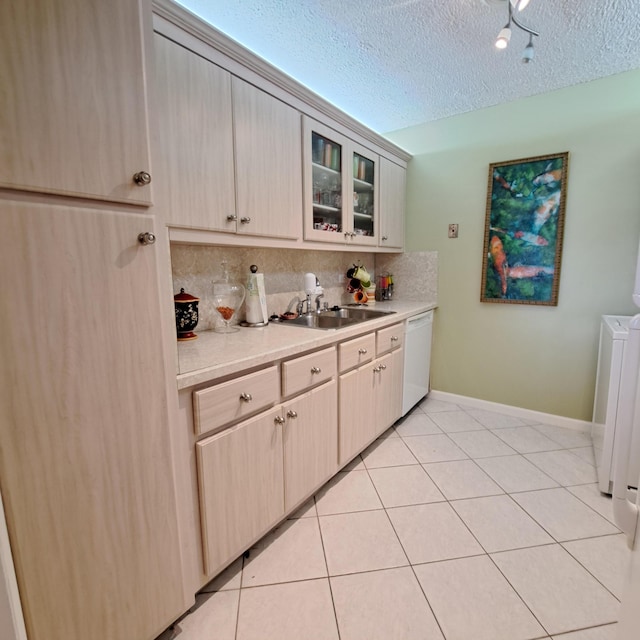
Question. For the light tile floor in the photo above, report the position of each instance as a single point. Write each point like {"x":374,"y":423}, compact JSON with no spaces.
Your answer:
{"x":457,"y":524}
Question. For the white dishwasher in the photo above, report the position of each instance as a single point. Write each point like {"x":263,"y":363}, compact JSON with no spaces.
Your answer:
{"x":417,"y":359}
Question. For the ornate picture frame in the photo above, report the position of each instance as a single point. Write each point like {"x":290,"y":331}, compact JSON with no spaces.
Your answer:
{"x":524,"y":229}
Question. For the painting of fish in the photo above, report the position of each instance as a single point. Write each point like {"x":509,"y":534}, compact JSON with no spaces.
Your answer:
{"x":499,"y":259}
{"x":524,"y":228}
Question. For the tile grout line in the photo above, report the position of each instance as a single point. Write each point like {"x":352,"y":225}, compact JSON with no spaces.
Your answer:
{"x":326,"y":564}
{"x":240,"y":589}
{"x":433,"y":613}
{"x":587,"y":569}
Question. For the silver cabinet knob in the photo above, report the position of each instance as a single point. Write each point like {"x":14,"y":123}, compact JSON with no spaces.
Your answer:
{"x":394,"y":338}
{"x":142,"y":178}
{"x":279,"y":420}
{"x":245,"y":220}
{"x":383,"y":367}
{"x":146,"y":238}
{"x":291,"y":414}
{"x":246,"y":397}
{"x":362,"y":352}
{"x":377,"y":369}
{"x":316,"y":370}
{"x":232,"y":217}
{"x":385,"y":238}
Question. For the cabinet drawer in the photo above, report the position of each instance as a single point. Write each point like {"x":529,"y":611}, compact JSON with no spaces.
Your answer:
{"x":308,"y":371}
{"x":357,"y":351}
{"x":233,"y":400}
{"x":390,"y":338}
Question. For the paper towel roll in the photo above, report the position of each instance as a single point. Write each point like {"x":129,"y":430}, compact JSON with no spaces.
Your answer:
{"x":310,"y":283}
{"x":256,"y":303}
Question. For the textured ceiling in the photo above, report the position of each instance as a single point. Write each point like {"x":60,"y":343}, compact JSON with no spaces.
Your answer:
{"x":396,"y":63}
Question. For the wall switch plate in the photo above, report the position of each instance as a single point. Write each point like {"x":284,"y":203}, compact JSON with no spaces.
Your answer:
{"x":453,"y":230}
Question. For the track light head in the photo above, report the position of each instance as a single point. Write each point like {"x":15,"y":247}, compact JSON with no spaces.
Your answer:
{"x":503,"y":37}
{"x":519,"y":5}
{"x":529,"y":52}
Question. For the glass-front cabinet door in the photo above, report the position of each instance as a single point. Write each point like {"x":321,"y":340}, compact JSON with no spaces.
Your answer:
{"x":364,"y":181}
{"x":325,"y":187}
{"x":340,"y":187}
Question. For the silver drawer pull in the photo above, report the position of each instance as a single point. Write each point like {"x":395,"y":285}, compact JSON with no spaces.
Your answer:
{"x":279,"y":420}
{"x":316,"y":370}
{"x":245,"y":220}
{"x":362,"y":351}
{"x":394,"y":338}
{"x":377,"y":369}
{"x":291,"y":414}
{"x":383,"y":367}
{"x":232,"y":217}
{"x":246,"y":397}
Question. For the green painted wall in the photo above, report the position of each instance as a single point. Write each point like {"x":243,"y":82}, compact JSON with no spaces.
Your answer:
{"x":541,"y":358}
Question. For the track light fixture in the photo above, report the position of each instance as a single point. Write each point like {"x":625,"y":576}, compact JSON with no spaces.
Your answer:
{"x":502,"y":41}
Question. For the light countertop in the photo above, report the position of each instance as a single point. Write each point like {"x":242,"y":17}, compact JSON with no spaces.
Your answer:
{"x":215,"y":355}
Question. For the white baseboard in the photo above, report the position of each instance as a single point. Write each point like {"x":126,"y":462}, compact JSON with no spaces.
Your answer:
{"x":583,"y":426}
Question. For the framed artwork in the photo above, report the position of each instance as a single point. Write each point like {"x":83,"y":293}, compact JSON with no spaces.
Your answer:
{"x":523,"y":230}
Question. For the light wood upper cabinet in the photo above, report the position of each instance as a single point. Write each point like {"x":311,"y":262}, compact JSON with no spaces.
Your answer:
{"x":193,"y":139}
{"x":310,"y":442}
{"x":73,"y":108}
{"x":228,"y":155}
{"x":392,"y":204}
{"x":85,"y":466}
{"x":268,"y":149}
{"x":241,"y":486}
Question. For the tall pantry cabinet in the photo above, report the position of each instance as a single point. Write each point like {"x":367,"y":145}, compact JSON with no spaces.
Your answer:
{"x":85,"y":462}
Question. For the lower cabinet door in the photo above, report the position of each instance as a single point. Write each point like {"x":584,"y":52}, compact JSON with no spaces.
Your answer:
{"x":241,"y":488}
{"x":388,"y":390}
{"x":356,"y":417}
{"x":310,"y":442}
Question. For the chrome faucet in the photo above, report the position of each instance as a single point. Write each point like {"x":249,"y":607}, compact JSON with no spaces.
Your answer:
{"x":312,"y":288}
{"x":308,"y":301}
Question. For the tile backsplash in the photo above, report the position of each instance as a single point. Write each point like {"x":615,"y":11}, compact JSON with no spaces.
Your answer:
{"x":196,"y":267}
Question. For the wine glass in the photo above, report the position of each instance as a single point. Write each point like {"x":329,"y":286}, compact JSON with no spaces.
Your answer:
{"x":227,"y":298}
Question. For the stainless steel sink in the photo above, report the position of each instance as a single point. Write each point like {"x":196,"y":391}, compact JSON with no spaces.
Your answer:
{"x":356,"y":313}
{"x":336,"y":318}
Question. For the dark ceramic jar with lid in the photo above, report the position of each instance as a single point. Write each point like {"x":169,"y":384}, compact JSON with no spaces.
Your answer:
{"x":186,"y":315}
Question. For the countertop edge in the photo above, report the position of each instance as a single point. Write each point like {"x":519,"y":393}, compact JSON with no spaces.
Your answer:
{"x":287,"y":342}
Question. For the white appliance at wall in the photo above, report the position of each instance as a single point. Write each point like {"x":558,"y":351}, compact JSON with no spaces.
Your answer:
{"x":614,"y":331}
{"x":626,"y":507}
{"x":626,"y":502}
{"x":417,"y":359}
